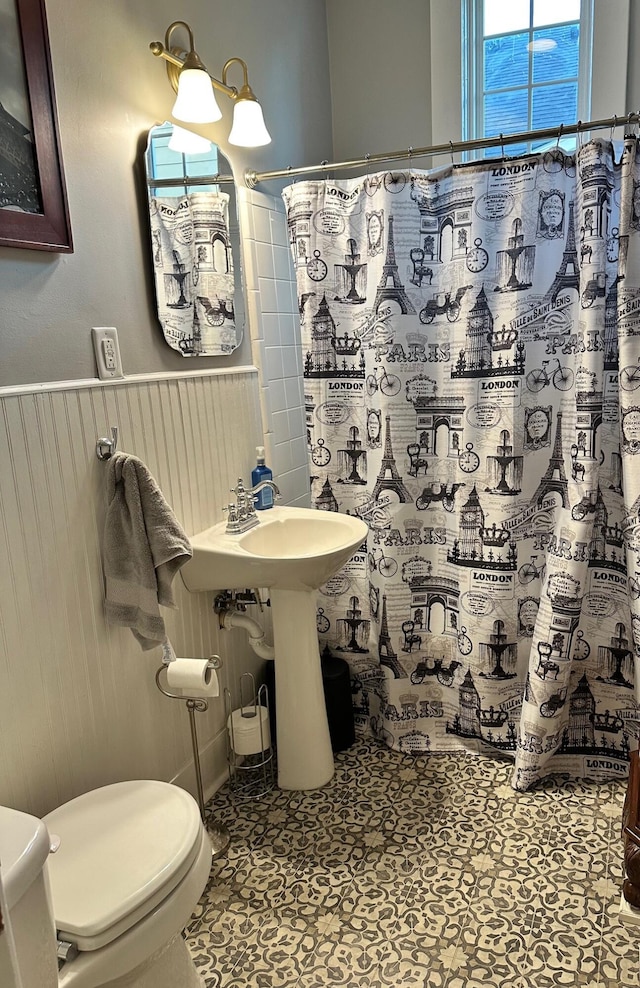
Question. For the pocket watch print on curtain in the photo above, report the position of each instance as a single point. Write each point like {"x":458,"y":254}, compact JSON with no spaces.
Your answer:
{"x":461,"y":336}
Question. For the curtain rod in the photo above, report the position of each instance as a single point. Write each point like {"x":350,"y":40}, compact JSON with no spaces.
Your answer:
{"x":451,"y":147}
{"x":188,"y":180}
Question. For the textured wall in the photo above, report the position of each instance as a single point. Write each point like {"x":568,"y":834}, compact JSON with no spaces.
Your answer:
{"x":110,"y":90}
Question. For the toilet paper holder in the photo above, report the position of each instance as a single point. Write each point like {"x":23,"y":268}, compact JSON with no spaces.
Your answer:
{"x":219,"y":835}
{"x":199,"y":702}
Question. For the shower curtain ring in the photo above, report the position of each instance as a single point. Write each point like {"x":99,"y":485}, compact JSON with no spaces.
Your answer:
{"x":560,"y":129}
{"x":579,"y":134}
{"x":367,"y":158}
{"x":451,"y":148}
{"x":502,"y":145}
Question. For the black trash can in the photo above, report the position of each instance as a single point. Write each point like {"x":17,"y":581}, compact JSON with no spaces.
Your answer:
{"x":336,"y":680}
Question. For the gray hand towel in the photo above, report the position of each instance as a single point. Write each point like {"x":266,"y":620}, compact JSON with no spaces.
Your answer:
{"x":144,"y":546}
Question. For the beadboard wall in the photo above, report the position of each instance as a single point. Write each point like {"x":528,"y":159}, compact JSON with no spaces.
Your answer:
{"x":78,"y":703}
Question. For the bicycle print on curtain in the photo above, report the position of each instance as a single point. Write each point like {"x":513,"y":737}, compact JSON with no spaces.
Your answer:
{"x":462,"y":331}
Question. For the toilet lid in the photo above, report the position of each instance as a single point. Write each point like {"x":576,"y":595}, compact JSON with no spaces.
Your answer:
{"x":123,"y":849}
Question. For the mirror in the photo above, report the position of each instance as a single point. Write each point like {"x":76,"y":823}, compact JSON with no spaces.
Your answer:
{"x":195,"y":243}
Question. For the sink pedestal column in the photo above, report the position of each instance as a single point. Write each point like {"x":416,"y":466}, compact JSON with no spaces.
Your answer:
{"x":305,"y":756}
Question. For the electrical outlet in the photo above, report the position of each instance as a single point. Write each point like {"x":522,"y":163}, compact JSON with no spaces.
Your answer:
{"x":107,"y":351}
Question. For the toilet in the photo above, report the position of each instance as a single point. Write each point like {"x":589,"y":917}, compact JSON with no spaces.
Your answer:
{"x":115,"y":874}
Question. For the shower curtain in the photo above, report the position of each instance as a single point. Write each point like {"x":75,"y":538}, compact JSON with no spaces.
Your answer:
{"x":194,"y":274}
{"x":471,"y":353}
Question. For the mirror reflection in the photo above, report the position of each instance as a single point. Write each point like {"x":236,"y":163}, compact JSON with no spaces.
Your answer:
{"x":195,"y":242}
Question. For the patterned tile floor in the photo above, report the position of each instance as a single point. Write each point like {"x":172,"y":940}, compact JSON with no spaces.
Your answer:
{"x":424,"y":872}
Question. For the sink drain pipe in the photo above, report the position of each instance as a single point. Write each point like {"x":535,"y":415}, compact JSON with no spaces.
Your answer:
{"x":233,"y":618}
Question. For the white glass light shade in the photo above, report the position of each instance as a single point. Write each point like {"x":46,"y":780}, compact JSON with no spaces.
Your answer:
{"x":195,"y":102}
{"x":248,"y":130}
{"x":186,"y":142}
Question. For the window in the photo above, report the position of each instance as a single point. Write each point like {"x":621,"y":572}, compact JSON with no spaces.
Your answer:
{"x":163,"y":162}
{"x":526,"y":66}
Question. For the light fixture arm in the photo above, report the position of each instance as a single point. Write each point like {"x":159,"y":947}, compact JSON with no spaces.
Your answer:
{"x":246,"y":91}
{"x":178,"y":59}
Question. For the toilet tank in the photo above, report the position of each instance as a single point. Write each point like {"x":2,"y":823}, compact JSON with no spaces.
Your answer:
{"x":24,"y":849}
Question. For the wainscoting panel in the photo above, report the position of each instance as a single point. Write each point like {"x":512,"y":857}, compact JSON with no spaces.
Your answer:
{"x":78,"y":702}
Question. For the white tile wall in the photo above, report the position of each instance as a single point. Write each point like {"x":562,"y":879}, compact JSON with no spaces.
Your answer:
{"x":276,"y":348}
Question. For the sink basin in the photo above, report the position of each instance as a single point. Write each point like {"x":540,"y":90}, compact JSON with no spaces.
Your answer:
{"x":289,"y":549}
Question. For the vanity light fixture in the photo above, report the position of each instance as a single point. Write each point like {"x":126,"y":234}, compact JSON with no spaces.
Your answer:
{"x":195,"y":100}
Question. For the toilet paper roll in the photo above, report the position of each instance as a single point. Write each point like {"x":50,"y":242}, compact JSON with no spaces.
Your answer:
{"x":249,"y":730}
{"x":194,"y":677}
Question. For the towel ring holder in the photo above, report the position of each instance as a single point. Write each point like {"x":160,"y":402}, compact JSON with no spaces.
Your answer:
{"x":105,"y":447}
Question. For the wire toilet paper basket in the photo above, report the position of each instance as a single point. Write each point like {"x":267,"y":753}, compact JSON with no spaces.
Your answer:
{"x":249,"y":747}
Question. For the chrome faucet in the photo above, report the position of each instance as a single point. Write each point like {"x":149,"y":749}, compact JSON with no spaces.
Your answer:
{"x":242,"y":515}
{"x":261,"y":486}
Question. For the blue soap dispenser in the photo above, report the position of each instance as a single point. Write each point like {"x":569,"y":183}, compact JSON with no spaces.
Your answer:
{"x":264,"y":498}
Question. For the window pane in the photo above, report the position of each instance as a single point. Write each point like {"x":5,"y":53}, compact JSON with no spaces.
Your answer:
{"x":505,"y":113}
{"x":560,"y":61}
{"x":202,"y":164}
{"x":506,"y":61}
{"x":501,"y":16}
{"x":510,"y":151}
{"x":553,"y":104}
{"x":567,"y":144}
{"x":165,"y":163}
{"x":555,"y":11}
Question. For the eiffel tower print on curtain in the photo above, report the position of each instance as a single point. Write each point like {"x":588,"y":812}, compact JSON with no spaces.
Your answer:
{"x":390,"y":286}
{"x":389,"y":479}
{"x":554,"y":479}
{"x":568,"y":274}
{"x":386,"y":653}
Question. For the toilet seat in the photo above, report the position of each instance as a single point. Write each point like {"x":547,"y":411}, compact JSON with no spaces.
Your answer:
{"x":124,"y":848}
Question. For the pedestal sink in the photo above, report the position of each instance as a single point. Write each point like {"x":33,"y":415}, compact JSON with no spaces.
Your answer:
{"x":293,"y":551}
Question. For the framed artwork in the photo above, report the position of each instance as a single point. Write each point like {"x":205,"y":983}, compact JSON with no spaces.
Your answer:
{"x":33,"y":201}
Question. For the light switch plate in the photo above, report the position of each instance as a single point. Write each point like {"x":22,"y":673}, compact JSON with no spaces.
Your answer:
{"x":107,"y":351}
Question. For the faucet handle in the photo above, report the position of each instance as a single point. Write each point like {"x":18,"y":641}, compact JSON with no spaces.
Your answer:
{"x":243,"y":499}
{"x":232,"y":510}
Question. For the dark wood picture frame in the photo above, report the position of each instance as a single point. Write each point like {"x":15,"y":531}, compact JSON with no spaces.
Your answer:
{"x":50,"y":228}
{"x":631,"y":834}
